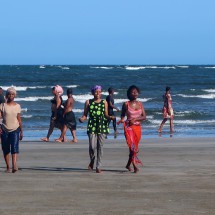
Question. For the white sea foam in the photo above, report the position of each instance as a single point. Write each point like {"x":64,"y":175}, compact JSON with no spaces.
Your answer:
{"x":209,"y":67}
{"x":168,"y":67}
{"x":32,"y":99}
{"x":208,"y":96}
{"x":192,"y":122}
{"x":15,"y":87}
{"x":101,"y":67}
{"x":37,"y":87}
{"x":148,"y":67}
{"x":134,"y":67}
{"x":27,"y":116}
{"x":64,"y":67}
{"x":184,"y":67}
{"x":150,"y":117}
{"x":185,"y":122}
{"x":42,"y":67}
{"x":24,"y":109}
{"x":183,"y":113}
{"x":81,"y":98}
{"x":72,"y":86}
{"x":105,"y":93}
{"x":23,"y":88}
{"x":78,"y":110}
{"x":125,"y":100}
{"x":210,"y":90}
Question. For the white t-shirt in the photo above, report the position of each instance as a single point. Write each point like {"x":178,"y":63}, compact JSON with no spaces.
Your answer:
{"x":9,"y":115}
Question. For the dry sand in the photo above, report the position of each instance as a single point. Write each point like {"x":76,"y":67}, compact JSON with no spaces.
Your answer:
{"x":178,"y":177}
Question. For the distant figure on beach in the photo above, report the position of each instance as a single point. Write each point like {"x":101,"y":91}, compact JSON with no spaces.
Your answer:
{"x":167,"y":111}
{"x":134,"y":110}
{"x":57,"y":112}
{"x":11,"y":129}
{"x":97,"y":128}
{"x":69,"y":118}
{"x":2,"y":98}
{"x":110,"y":101}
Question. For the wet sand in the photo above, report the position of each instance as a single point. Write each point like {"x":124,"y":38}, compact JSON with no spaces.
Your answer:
{"x":178,"y":177}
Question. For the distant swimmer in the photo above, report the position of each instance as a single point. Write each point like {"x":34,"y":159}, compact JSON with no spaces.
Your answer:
{"x":167,"y":111}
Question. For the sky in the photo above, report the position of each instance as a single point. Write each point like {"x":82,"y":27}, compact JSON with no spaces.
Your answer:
{"x":113,"y":32}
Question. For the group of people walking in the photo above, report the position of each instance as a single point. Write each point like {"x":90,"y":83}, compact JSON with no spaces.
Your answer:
{"x":99,"y":113}
{"x":62,"y":116}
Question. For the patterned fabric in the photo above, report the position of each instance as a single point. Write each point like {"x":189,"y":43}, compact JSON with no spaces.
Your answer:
{"x":97,"y":123}
{"x":132,"y":113}
{"x":133,"y":136}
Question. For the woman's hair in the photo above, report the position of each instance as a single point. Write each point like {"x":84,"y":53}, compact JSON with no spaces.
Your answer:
{"x":10,"y":89}
{"x":94,"y":88}
{"x":167,"y":88}
{"x":132,"y":87}
{"x":69,"y":91}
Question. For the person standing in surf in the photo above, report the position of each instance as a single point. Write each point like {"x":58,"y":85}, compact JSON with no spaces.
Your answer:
{"x":167,"y":111}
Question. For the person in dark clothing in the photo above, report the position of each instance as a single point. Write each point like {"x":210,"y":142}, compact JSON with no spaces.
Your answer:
{"x":111,"y":107}
{"x":69,"y":118}
{"x":2,"y":98}
{"x":57,"y":112}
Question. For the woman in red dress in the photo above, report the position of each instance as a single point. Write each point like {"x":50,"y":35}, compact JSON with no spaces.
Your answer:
{"x":134,"y":110}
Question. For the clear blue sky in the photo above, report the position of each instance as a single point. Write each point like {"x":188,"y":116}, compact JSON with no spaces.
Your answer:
{"x":107,"y":32}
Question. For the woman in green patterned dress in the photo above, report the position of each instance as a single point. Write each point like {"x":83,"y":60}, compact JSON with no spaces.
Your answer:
{"x":97,"y":128}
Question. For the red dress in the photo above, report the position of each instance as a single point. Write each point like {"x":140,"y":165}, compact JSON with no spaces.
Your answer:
{"x":133,"y":132}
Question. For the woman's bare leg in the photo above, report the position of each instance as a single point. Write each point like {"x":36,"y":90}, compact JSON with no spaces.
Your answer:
{"x":62,"y":137}
{"x":7,"y":161}
{"x":171,"y":126}
{"x":161,"y":125}
{"x":14,"y":160}
{"x":51,"y":128}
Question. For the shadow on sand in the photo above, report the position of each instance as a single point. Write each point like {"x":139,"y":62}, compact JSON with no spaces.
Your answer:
{"x":61,"y":169}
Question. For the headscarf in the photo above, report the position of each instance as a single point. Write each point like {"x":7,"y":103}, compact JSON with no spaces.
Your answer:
{"x":59,"y":90}
{"x":94,"y":88}
{"x":11,"y":89}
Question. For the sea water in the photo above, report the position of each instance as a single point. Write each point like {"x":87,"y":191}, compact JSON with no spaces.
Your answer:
{"x":192,"y":90}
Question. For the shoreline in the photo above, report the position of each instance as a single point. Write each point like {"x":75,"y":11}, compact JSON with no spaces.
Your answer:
{"x":145,"y":139}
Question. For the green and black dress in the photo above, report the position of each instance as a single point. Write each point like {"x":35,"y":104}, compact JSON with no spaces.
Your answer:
{"x":97,"y":123}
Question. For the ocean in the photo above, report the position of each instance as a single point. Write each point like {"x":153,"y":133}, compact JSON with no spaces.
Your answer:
{"x":192,"y":90}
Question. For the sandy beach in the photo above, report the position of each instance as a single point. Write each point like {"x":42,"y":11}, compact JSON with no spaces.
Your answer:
{"x":177,"y":178}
